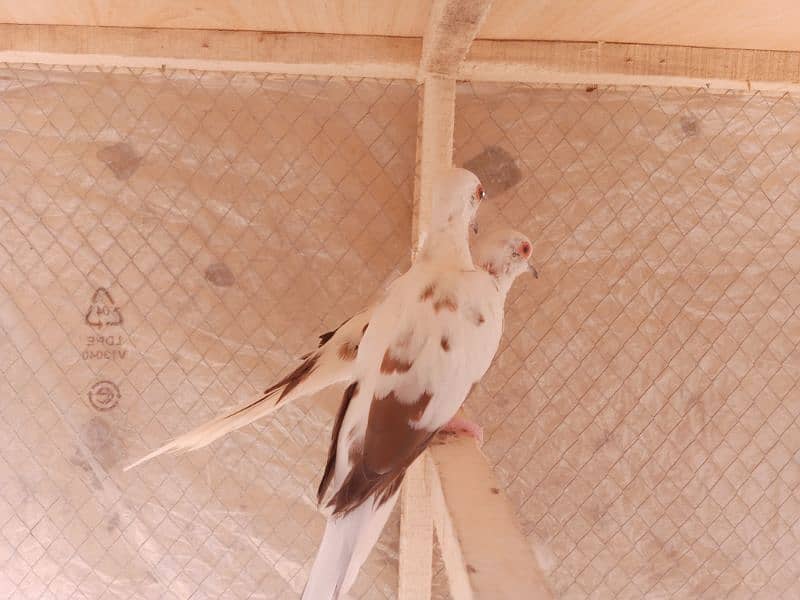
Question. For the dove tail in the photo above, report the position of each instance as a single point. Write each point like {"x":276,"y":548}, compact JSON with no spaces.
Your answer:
{"x":327,"y":578}
{"x":345,"y":546}
{"x":222,"y":425}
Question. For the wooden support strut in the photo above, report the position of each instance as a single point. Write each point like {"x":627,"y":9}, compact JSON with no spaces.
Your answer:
{"x":250,"y":51}
{"x":528,"y":61}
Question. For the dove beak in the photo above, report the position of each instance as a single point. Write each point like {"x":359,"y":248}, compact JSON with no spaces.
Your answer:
{"x":533,"y":271}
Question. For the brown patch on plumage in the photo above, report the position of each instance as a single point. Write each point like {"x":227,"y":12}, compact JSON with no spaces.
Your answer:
{"x":427,"y":293}
{"x":479,"y":320}
{"x":388,"y":424}
{"x":325,"y":337}
{"x":356,"y":451}
{"x":390,"y":446}
{"x":419,"y":406}
{"x":445,"y":344}
{"x":348,"y":351}
{"x":364,"y":328}
{"x":288,"y":383}
{"x":447,"y":303}
{"x":349,"y":393}
{"x":296,"y":377}
{"x":392,"y":364}
{"x":490,"y":269}
{"x":471,"y":569}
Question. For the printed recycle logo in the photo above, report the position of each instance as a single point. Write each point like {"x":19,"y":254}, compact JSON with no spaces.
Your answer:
{"x":103,"y":311}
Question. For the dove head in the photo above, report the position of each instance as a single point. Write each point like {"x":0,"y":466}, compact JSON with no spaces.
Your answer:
{"x":456,"y":196}
{"x":504,"y":254}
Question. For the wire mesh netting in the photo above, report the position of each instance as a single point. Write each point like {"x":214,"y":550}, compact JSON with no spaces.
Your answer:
{"x":170,"y":241}
{"x":643,"y":408}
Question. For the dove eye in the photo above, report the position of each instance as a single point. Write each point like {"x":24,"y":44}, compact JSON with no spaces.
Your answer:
{"x":521,"y":249}
{"x":480,"y":193}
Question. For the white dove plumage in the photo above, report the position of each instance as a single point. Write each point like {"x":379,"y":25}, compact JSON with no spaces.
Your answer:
{"x":410,"y":361}
{"x":427,"y":343}
{"x":332,"y":362}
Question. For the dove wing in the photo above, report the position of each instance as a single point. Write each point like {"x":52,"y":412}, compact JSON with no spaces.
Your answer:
{"x":425,"y":348}
{"x":331,"y":363}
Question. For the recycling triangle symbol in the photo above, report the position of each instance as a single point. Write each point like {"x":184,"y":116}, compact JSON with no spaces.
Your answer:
{"x":103,"y":312}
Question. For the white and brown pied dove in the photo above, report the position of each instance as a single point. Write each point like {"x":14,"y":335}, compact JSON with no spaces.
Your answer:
{"x":333,"y":362}
{"x":410,"y":362}
{"x":431,"y":338}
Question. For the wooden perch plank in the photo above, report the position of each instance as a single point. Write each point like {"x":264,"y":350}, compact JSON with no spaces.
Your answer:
{"x":485,"y":553}
{"x":416,"y":539}
{"x":296,"y":53}
{"x":632,"y":64}
{"x":452,"y":25}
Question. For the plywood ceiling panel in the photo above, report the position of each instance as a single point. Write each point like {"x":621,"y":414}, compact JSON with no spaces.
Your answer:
{"x":376,"y":17}
{"x":767,"y":25}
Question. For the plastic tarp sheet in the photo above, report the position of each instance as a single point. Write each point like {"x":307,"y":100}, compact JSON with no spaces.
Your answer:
{"x":169,"y":243}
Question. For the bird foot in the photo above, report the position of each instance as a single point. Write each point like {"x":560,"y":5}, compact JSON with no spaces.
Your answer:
{"x":462,"y":426}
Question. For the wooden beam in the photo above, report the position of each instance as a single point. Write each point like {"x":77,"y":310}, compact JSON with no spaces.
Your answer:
{"x":296,"y":53}
{"x":416,"y":539}
{"x":435,"y":122}
{"x":632,"y":64}
{"x":452,"y":25}
{"x":436,"y":118}
{"x":374,"y":56}
{"x":485,"y":553}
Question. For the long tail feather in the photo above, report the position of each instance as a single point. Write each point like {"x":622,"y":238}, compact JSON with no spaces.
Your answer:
{"x":327,"y":578}
{"x":322,"y":368}
{"x":211,"y":431}
{"x":346,"y":544}
{"x":216,"y":428}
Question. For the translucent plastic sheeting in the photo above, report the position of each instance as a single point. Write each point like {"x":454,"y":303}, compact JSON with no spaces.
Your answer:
{"x":169,"y":243}
{"x":643,"y":411}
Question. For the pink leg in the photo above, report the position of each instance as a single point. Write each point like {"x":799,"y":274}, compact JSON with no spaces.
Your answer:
{"x":460,"y":425}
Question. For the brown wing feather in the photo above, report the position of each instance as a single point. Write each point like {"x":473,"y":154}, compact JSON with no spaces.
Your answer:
{"x":349,"y":394}
{"x":325,"y":337}
{"x":293,"y":379}
{"x":391,"y":444}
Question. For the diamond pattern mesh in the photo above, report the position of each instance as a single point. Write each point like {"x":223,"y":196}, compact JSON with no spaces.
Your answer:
{"x":169,"y":242}
{"x":642,"y":411}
